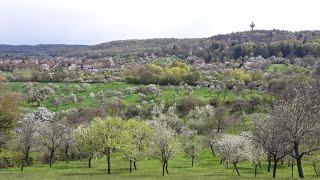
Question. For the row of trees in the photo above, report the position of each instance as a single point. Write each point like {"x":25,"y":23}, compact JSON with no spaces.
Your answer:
{"x":45,"y":131}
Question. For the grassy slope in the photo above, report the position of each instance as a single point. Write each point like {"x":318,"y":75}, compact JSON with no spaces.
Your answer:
{"x":206,"y":167}
{"x":168,"y":94}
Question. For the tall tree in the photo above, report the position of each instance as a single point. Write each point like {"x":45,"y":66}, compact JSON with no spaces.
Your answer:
{"x":51,"y":132}
{"x":24,"y":137}
{"x":191,"y":145}
{"x":110,"y":136}
{"x":140,"y":134}
{"x":85,"y":142}
{"x":299,"y":119}
{"x":272,"y":139}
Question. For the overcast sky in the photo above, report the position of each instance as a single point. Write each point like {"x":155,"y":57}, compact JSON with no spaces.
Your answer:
{"x":97,"y":21}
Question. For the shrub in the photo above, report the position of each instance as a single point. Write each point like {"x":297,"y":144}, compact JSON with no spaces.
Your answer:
{"x":9,"y":159}
{"x":186,"y":104}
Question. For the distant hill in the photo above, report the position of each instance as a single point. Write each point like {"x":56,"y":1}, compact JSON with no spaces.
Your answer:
{"x":216,"y":48}
{"x":42,"y":50}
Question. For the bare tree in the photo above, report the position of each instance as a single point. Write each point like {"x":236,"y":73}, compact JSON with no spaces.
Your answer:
{"x":220,"y":117}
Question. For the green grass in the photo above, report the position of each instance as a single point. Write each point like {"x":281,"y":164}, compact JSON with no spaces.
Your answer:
{"x":206,"y":167}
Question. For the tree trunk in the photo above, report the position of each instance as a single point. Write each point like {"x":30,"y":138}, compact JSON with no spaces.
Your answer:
{"x":315,"y":169}
{"x":51,"y":158}
{"x":130,"y":167}
{"x":192,"y":161}
{"x":67,"y":155}
{"x":109,"y":164}
{"x":22,"y":164}
{"x":134,"y":165}
{"x":212,"y":150}
{"x":269,"y":162}
{"x":89,"y":162}
{"x":167,"y":167}
{"x":27,"y":158}
{"x":298,"y":158}
{"x":275,"y":167}
{"x":255,"y":170}
{"x":163,"y":166}
{"x":299,"y":165}
{"x":291,"y":170}
{"x":235,"y":168}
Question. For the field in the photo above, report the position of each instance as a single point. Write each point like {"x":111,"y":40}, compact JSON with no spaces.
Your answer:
{"x":168,"y":94}
{"x":206,"y":167}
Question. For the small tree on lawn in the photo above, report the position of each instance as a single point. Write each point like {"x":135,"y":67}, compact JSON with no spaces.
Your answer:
{"x":232,"y":149}
{"x":67,"y":143}
{"x":85,"y":141}
{"x":164,"y":146}
{"x":255,"y":152}
{"x":272,"y":139}
{"x":110,"y":136}
{"x":24,"y":137}
{"x":191,"y":145}
{"x":50,"y":132}
{"x":140,"y":134}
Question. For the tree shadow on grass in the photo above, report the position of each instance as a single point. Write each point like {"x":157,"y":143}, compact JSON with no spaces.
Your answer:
{"x":84,"y":173}
{"x":98,"y":172}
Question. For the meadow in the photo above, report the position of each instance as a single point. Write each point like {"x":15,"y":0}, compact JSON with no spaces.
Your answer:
{"x":206,"y":166}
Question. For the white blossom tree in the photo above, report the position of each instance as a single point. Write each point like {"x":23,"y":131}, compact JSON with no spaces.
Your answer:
{"x":42,"y":114}
{"x":51,"y":131}
{"x":232,"y":148}
{"x":24,"y":137}
{"x":271,"y":138}
{"x":163,"y":146}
